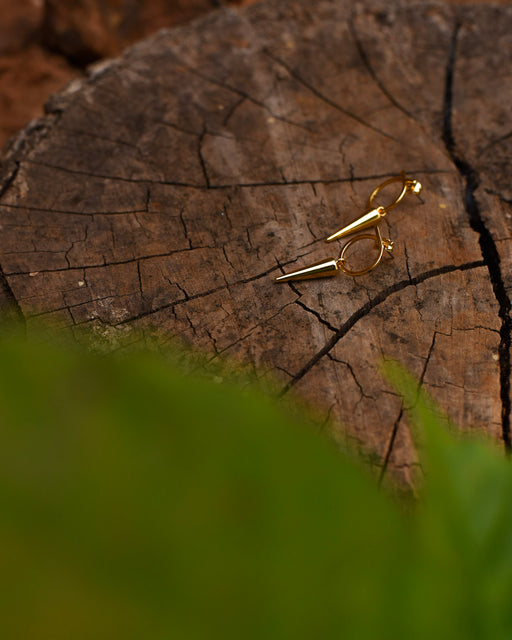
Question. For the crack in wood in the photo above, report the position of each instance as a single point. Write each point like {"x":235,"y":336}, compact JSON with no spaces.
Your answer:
{"x":96,"y":136}
{"x":367,"y":308}
{"x":246,"y":96}
{"x":389,"y":450}
{"x":371,"y":71}
{"x":427,"y":360}
{"x":354,"y":377}
{"x":316,"y":92}
{"x":202,"y":187}
{"x":252,"y":330}
{"x":67,"y":212}
{"x":9,"y":178}
{"x":90,"y":174}
{"x":308,"y":309}
{"x":488,"y":246}
{"x":202,"y":294}
{"x":100,"y":264}
{"x":492,"y":192}
{"x":496,"y":141}
{"x":202,"y":161}
{"x":11,"y":310}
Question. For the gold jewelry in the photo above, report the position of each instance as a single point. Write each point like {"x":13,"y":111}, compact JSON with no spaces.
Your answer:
{"x":374,"y":215}
{"x":408,"y":186}
{"x":384,"y":245}
{"x":370,"y":218}
{"x":331,"y":266}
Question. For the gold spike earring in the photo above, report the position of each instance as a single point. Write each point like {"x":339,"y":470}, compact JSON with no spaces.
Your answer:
{"x":370,"y":219}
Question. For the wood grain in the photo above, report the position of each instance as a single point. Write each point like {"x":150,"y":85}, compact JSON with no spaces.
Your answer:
{"x":165,"y":192}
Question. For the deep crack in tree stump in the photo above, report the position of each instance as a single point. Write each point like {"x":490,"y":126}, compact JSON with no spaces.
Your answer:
{"x":170,"y":188}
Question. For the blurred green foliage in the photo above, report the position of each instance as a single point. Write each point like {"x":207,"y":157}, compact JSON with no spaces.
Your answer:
{"x":139,"y":502}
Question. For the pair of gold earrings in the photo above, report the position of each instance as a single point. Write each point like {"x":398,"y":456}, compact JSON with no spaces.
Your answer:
{"x":370,"y":218}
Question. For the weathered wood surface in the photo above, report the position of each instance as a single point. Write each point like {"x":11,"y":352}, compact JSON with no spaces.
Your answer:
{"x":166,"y":192}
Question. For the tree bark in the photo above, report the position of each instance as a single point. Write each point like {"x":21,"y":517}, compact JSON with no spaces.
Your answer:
{"x":165,"y":192}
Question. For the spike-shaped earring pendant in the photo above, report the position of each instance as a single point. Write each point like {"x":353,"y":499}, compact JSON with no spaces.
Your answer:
{"x":331,"y":266}
{"x":370,"y":218}
{"x":374,"y":214}
{"x":321,"y":269}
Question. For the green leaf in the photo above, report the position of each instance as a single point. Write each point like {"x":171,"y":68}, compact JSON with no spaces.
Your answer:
{"x":137,"y":501}
{"x":464,"y":525}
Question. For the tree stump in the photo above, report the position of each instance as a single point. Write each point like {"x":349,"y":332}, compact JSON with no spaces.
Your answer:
{"x":167,"y":190}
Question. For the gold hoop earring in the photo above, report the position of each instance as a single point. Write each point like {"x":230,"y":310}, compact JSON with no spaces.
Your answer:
{"x":331,"y":266}
{"x":370,"y":218}
{"x":384,"y":245}
{"x":374,"y":214}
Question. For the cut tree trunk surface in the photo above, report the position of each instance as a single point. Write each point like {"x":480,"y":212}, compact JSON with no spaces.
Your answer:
{"x":167,"y":190}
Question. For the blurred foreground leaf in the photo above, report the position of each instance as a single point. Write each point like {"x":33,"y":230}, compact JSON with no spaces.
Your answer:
{"x":137,"y":502}
{"x":463,"y":524}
